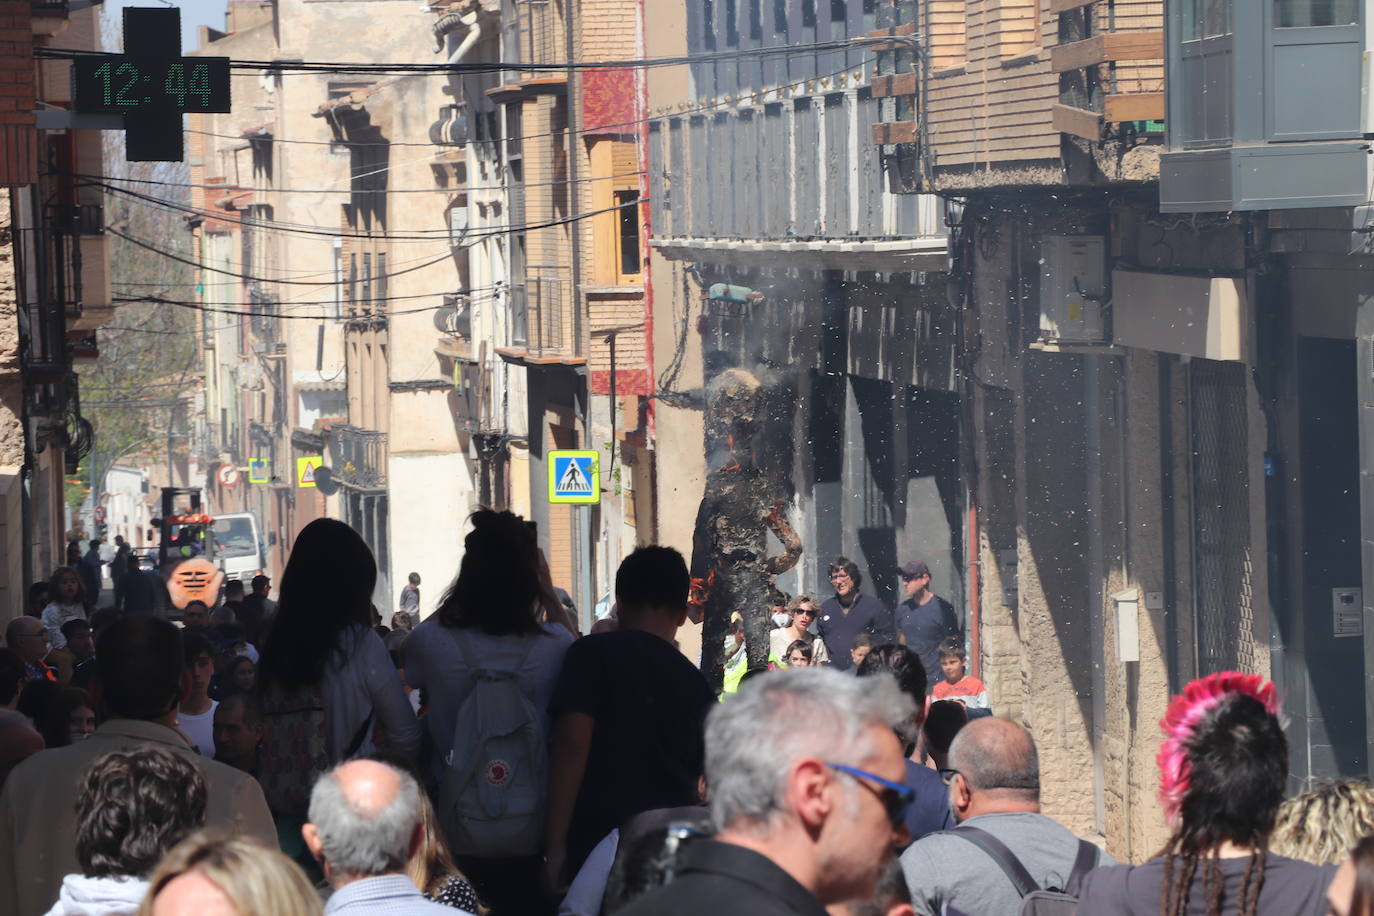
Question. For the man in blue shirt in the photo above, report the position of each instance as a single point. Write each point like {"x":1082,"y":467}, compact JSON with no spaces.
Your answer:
{"x":850,"y":613}
{"x":924,"y":619}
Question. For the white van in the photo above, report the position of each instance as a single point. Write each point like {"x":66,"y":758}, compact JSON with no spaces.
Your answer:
{"x":238,"y":547}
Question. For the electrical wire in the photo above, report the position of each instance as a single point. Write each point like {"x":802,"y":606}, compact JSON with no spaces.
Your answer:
{"x":709,"y":57}
{"x":231,"y":190}
{"x":213,"y":310}
{"x":506,"y":230}
{"x":415,"y":235}
{"x":331,"y":302}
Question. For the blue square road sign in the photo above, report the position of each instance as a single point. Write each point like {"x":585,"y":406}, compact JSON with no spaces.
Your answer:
{"x":574,"y":476}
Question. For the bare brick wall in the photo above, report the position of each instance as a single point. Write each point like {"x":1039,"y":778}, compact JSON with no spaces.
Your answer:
{"x":18,"y":139}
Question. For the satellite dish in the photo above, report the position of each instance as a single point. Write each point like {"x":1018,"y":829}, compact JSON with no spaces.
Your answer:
{"x":325,"y":482}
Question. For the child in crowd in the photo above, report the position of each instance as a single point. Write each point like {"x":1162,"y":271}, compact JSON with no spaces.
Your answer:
{"x":799,"y":654}
{"x":958,"y":685}
{"x":858,"y":651}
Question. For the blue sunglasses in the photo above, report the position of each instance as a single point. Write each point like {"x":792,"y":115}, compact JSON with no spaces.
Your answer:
{"x":896,"y":797}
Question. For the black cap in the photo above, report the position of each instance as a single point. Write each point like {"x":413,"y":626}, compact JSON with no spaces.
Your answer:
{"x":914,"y":569}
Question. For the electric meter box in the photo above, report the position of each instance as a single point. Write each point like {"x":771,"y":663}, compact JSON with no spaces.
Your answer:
{"x":1072,"y":288}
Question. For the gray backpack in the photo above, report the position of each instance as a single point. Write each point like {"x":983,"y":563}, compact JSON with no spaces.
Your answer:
{"x":492,"y":795}
{"x":1035,"y":900}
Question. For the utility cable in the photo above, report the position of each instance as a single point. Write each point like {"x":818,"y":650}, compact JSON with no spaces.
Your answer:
{"x":506,"y":230}
{"x":709,"y":57}
{"x":231,"y":190}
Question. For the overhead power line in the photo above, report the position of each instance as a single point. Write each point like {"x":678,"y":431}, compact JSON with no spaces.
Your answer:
{"x":472,"y":237}
{"x":445,"y":67}
{"x":231,"y":190}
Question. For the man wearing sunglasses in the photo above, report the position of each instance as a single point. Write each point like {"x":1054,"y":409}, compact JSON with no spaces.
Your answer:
{"x":924,"y":619}
{"x":805,"y":771}
{"x":994,"y":785}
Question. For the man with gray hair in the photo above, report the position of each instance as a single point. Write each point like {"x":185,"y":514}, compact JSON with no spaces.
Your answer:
{"x":364,"y":825}
{"x":805,"y":774}
{"x":994,"y":794}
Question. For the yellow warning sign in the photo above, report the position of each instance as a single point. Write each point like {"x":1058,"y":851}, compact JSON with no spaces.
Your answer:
{"x":306,"y":467}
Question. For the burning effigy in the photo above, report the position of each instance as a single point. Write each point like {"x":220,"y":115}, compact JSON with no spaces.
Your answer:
{"x":731,"y":568}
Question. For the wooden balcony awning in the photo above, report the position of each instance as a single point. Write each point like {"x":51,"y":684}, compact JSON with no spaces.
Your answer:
{"x":1135,"y":106}
{"x":895,"y":132}
{"x":893,"y":84}
{"x":1110,"y":46}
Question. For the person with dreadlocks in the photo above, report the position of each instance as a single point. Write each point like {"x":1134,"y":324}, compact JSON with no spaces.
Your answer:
{"x":1223,"y":765}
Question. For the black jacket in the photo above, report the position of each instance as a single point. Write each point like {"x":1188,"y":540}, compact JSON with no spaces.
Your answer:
{"x":722,"y":879}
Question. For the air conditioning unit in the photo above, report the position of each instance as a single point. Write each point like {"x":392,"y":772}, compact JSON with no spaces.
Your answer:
{"x":1073,"y":290}
{"x":455,"y":317}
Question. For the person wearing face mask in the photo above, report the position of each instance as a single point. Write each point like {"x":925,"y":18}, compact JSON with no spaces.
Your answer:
{"x":802,"y":613}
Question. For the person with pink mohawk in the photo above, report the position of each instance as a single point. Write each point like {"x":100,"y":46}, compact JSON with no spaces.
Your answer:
{"x":1223,"y":767}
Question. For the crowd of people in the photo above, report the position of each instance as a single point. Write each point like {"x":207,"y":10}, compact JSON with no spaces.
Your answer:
{"x":296,"y":757}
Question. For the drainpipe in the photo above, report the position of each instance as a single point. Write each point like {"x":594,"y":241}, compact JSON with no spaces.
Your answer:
{"x":586,"y":568}
{"x":452,"y":22}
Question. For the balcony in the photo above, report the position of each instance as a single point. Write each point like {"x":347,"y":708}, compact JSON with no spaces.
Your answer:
{"x":543,"y":329}
{"x":1268,"y":107}
{"x":265,"y":323}
{"x":1110,"y":67}
{"x":358,"y":457}
{"x":89,"y":304}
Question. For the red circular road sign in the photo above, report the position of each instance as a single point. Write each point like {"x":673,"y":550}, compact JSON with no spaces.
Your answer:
{"x":227,"y":475}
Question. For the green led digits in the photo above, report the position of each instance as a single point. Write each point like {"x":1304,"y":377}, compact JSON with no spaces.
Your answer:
{"x":108,"y":96}
{"x":174,"y":84}
{"x":200,"y":83}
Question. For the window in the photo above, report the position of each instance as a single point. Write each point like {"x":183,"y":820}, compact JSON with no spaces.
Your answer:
{"x":1293,"y":14}
{"x":756,"y":20}
{"x":708,"y":25}
{"x":1208,"y":18}
{"x":731,"y":23}
{"x":367,"y":278}
{"x":628,"y":238}
{"x":808,"y":14}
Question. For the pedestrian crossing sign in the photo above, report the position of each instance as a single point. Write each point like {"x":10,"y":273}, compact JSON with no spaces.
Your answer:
{"x":258,"y":471}
{"x":574,"y":476}
{"x":306,"y":466}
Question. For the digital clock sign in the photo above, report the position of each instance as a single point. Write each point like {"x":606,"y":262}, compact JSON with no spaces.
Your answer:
{"x":118,"y":85}
{"x":150,"y":84}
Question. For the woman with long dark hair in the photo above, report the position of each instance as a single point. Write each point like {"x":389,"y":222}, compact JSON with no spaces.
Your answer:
{"x":488,"y":625}
{"x":1223,"y":766}
{"x":322,"y":652}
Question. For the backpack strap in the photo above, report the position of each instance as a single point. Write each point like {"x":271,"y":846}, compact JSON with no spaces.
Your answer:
{"x":359,"y":736}
{"x":999,"y":853}
{"x":1084,"y":863}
